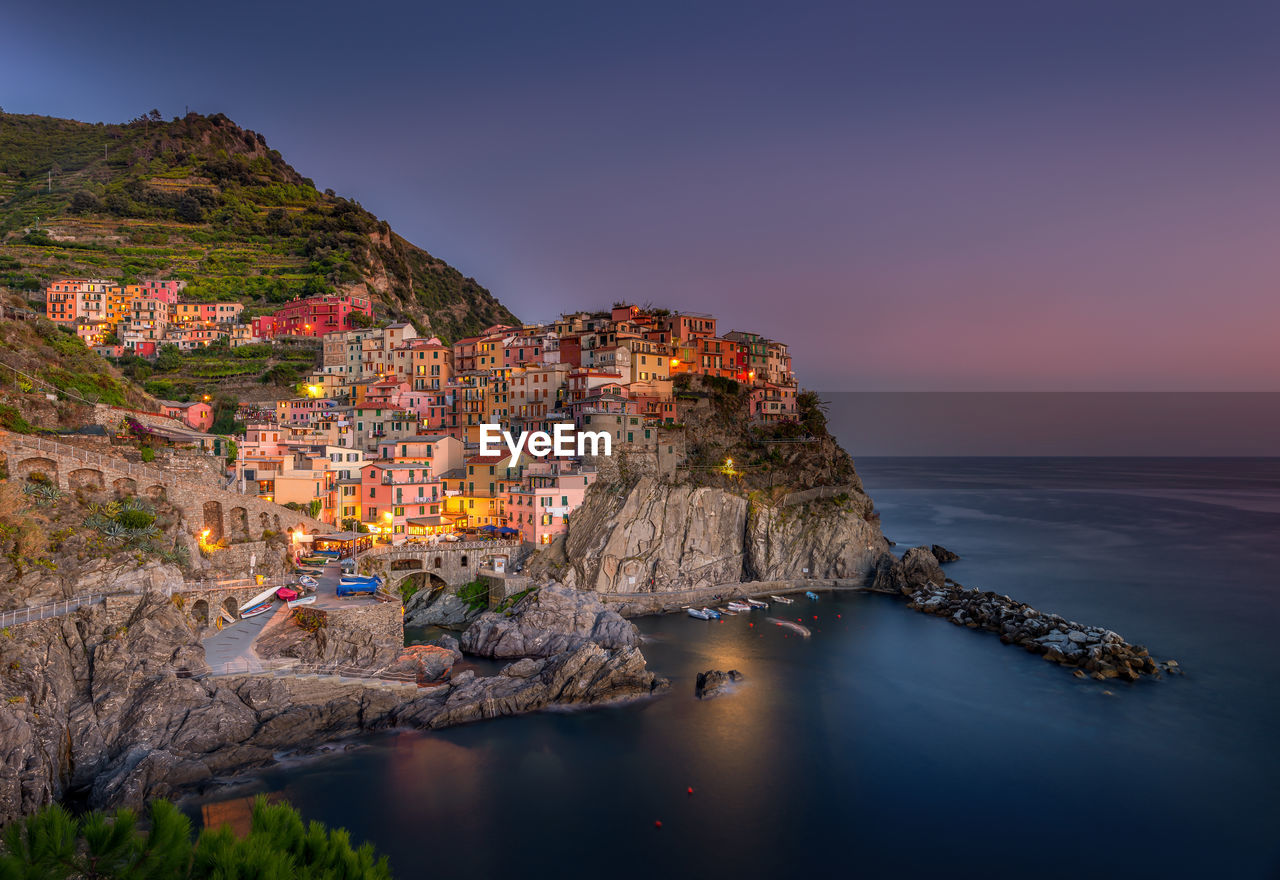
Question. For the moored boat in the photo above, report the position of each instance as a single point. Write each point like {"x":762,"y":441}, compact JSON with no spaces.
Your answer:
{"x":308,"y":581}
{"x":714,"y":614}
{"x":757,"y":603}
{"x":700,"y":613}
{"x":738,"y":606}
{"x":811,"y":594}
{"x":783,"y":599}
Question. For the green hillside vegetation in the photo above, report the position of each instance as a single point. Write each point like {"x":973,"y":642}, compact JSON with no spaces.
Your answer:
{"x":40,"y":358}
{"x":201,"y":199}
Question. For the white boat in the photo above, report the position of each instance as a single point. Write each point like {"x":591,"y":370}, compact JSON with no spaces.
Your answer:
{"x":757,"y":603}
{"x":700,"y":613}
{"x":253,"y":610}
{"x":308,"y":581}
{"x":305,"y":600}
{"x":738,"y":606}
{"x":783,"y":599}
{"x":265,"y":596}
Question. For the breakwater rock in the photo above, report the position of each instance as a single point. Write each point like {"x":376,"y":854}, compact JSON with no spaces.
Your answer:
{"x":550,"y":620}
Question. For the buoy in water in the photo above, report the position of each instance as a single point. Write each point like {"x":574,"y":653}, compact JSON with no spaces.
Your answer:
{"x":690,"y":789}
{"x":657,"y":823}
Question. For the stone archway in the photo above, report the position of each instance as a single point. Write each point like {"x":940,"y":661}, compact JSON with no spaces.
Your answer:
{"x":213,"y":521}
{"x":86,"y":478}
{"x":200,"y":612}
{"x":231,"y":608}
{"x":275,"y":521}
{"x":437,"y":562}
{"x":239,"y":524}
{"x":30,"y":467}
{"x":264,"y":523}
{"x":155,"y":493}
{"x":124,"y":487}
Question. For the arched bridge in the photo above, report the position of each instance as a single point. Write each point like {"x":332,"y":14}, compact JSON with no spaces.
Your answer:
{"x":454,"y":564}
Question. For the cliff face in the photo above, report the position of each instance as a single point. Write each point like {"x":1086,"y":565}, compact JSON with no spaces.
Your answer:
{"x":654,"y":536}
{"x":825,"y":533}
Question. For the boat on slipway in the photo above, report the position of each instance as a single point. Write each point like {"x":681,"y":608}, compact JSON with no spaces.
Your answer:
{"x":254,"y":605}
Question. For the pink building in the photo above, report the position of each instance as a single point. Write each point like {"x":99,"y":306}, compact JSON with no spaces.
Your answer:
{"x":539,"y":507}
{"x":390,"y":494}
{"x":198,"y":415}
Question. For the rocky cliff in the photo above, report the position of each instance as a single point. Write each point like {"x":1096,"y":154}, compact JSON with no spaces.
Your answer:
{"x":549,"y":621}
{"x":109,"y":706}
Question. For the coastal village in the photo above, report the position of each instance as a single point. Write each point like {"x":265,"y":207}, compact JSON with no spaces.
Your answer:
{"x":383,"y":437}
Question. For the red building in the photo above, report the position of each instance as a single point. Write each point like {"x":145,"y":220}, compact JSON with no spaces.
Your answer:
{"x":313,"y":316}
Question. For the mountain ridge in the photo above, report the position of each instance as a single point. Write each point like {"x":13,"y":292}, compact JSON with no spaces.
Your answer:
{"x":200,"y":198}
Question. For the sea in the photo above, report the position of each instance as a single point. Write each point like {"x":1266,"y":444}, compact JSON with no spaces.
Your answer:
{"x":892,"y":743}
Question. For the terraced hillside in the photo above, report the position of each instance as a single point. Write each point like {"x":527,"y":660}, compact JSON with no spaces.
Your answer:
{"x":202,"y":199}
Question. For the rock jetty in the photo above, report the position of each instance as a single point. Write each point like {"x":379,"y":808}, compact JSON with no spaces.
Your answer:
{"x":1089,"y":650}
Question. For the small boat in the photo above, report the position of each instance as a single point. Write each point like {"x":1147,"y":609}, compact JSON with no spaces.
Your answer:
{"x":305,"y":600}
{"x":286,"y":594}
{"x":267,"y":596}
{"x":314,"y":560}
{"x":308,"y":581}
{"x":700,"y":613}
{"x":794,"y":627}
{"x":783,"y":599}
{"x":738,"y":606}
{"x":811,"y":594}
{"x":757,"y":603}
{"x":715,"y":615}
{"x":256,"y":609}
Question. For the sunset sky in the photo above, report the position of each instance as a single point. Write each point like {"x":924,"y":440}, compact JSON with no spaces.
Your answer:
{"x":925,"y":196}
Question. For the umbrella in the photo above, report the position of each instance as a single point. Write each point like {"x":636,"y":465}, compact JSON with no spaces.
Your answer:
{"x":488,"y":528}
{"x":507,"y":530}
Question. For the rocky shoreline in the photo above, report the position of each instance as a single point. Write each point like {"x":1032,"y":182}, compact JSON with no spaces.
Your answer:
{"x":111,"y":709}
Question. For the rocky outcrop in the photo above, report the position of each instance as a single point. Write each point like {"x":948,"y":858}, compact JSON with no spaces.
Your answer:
{"x":714,"y":682}
{"x":1090,"y":650}
{"x":426,"y":664}
{"x":917,"y":567}
{"x":103,"y":706}
{"x":550,"y":620}
{"x":942,"y":554}
{"x":587,"y":675}
{"x":825,"y":533}
{"x":368,"y":636}
{"x":440,"y":608}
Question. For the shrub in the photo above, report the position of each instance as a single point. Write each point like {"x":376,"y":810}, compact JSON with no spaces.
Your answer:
{"x":310,"y":619}
{"x":56,"y":845}
{"x":135,"y":519}
{"x":148,"y":454}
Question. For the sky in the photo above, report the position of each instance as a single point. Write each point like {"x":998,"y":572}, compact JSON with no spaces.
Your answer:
{"x":925,"y":196}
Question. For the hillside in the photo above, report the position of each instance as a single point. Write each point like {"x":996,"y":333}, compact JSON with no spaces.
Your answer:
{"x":200,"y":198}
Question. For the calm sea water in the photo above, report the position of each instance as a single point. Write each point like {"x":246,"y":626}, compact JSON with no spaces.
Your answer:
{"x":892,"y":743}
